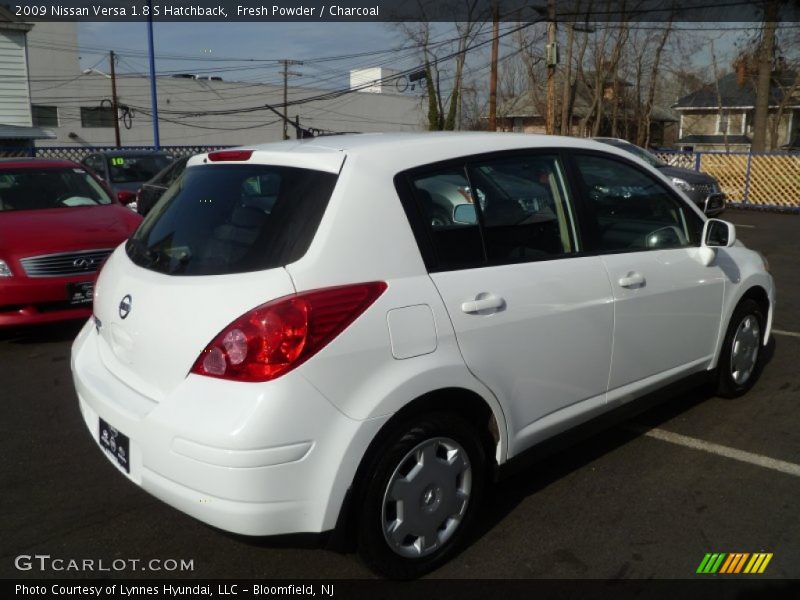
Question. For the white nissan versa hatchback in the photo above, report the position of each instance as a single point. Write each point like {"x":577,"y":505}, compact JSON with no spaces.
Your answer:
{"x":293,"y":342}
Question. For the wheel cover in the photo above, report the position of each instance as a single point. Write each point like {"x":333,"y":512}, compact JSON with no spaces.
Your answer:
{"x":426,"y":497}
{"x":744,"y":350}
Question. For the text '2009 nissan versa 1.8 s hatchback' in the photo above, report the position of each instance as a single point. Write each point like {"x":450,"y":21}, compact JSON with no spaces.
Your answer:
{"x":293,"y":341}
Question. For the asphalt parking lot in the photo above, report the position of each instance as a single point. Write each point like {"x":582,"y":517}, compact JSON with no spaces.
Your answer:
{"x":647,"y":498}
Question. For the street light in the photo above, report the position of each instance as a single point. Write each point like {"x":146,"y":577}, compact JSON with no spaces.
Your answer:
{"x":97,"y":71}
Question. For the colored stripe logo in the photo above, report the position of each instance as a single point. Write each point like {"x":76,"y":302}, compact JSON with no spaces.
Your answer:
{"x":734,"y":563}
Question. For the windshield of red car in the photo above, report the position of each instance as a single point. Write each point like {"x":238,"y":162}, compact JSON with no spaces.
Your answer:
{"x":33,"y":189}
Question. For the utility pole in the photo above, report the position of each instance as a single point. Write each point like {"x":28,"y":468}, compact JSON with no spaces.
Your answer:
{"x":153,"y":92}
{"x":114,"y":105}
{"x":493,"y":73}
{"x":552,"y":60}
{"x":286,"y":73}
{"x":566,"y":93}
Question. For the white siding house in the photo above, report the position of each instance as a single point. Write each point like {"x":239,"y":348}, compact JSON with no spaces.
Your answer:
{"x":16,"y":124}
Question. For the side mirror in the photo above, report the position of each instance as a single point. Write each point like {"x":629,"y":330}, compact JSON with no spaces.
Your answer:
{"x":719,"y":234}
{"x":464,"y":214}
{"x":716,"y":234}
{"x":126,"y":197}
{"x":714,"y":204}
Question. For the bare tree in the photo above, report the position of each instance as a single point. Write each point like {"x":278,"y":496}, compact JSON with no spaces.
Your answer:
{"x":643,"y":132}
{"x":766,"y":57}
{"x":439,"y":117}
{"x":721,"y":112}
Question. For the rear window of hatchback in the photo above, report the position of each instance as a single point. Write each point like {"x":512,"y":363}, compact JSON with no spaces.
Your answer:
{"x":223,"y":219}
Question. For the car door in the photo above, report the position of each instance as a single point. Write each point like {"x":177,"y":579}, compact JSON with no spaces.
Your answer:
{"x":533,"y":319}
{"x":667,"y":304}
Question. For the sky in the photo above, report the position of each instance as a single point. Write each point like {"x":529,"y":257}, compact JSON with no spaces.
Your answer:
{"x":203,"y":47}
{"x":208,"y":43}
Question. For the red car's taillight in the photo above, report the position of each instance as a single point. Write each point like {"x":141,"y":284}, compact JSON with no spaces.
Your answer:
{"x":276,"y":337}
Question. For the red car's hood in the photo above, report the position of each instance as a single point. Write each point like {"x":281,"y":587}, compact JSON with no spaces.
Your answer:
{"x":32,"y":232}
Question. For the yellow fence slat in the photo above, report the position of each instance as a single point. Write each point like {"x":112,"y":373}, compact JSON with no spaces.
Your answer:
{"x":772,"y":180}
{"x":775,"y":180}
{"x":730,"y":170}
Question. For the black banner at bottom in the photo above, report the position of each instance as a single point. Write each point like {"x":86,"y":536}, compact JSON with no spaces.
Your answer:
{"x":440,"y":589}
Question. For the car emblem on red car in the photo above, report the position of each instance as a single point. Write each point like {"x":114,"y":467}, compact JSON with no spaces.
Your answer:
{"x":83,"y":263}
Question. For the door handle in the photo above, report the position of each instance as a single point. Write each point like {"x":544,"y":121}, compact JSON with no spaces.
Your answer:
{"x":632,"y":280}
{"x":485,"y":303}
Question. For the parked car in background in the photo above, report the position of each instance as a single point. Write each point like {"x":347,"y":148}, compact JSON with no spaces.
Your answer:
{"x":152,"y":190}
{"x":291,"y":343}
{"x":57,"y":226}
{"x":701,"y":188}
{"x":124,"y":171}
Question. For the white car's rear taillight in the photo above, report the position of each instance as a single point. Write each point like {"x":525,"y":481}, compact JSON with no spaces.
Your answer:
{"x":276,"y":337}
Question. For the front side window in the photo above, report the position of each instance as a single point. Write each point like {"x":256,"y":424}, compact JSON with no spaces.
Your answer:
{"x":34,"y":189}
{"x":633,"y":211}
{"x":221,"y":219}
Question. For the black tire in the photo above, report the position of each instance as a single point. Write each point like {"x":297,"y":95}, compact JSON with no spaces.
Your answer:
{"x":401,"y":445}
{"x":727,"y":383}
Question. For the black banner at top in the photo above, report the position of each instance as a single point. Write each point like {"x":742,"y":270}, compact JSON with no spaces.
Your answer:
{"x":575,"y":11}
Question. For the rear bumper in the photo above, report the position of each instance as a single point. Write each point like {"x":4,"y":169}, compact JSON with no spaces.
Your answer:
{"x":254,"y":459}
{"x":28,"y":301}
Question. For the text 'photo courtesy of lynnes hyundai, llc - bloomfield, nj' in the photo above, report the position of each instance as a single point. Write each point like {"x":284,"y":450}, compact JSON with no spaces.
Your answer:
{"x":485,"y":299}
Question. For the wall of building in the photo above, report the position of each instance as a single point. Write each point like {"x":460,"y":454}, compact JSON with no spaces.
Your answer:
{"x":192,"y":111}
{"x":14,"y":99}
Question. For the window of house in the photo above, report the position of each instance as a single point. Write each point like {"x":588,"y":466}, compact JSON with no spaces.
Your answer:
{"x":44,"y":116}
{"x":97,"y":116}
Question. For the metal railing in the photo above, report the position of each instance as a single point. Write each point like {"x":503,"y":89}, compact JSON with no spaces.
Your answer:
{"x":78,"y":153}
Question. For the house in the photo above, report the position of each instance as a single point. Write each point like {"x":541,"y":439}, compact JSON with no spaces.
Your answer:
{"x":719,"y":116}
{"x":194,"y":109}
{"x":17,"y":131}
{"x":620,"y":115}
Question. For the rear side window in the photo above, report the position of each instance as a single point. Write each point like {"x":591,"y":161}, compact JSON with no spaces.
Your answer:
{"x":495,"y":210}
{"x":231,"y":219}
{"x":524,"y":208}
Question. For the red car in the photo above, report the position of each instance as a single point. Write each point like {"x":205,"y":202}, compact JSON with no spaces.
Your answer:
{"x":57,"y":226}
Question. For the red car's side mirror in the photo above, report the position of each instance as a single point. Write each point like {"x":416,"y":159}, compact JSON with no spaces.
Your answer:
{"x":126,"y":197}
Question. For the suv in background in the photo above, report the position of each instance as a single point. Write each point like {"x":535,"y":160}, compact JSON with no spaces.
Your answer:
{"x":701,"y":188}
{"x":124,"y":171}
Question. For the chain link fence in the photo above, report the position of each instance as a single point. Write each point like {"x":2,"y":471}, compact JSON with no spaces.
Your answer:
{"x":78,"y":153}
